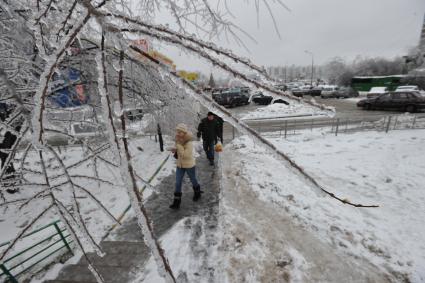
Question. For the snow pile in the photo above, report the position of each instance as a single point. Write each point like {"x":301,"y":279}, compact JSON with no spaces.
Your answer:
{"x":367,"y":168}
{"x":280,"y":110}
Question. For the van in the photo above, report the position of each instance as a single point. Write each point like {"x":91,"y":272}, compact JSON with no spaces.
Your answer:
{"x":329,"y":91}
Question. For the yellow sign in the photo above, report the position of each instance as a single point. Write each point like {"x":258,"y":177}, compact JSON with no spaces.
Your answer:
{"x":190,"y":76}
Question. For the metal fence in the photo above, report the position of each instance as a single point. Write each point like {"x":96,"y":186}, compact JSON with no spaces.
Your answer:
{"x":337,"y":126}
{"x":55,"y":240}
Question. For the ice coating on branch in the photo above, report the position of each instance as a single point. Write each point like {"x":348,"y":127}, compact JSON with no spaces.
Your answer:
{"x":106,"y":114}
{"x":41,"y":93}
{"x":96,"y":274}
{"x":118,"y":109}
{"x":150,"y":241}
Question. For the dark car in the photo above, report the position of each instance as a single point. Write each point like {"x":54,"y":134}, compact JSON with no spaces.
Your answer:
{"x":231,"y":98}
{"x":262,"y":99}
{"x":316,"y":91}
{"x":218,"y":91}
{"x":280,"y":100}
{"x":404,"y":101}
{"x":245,"y":90}
{"x":298,"y":92}
{"x":134,"y":114}
{"x":346,"y":92}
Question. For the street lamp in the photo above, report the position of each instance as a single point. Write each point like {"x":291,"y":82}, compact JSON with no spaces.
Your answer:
{"x":312,"y":65}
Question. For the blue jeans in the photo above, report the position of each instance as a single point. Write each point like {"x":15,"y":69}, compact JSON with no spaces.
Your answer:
{"x":209,"y":149}
{"x":191,"y":172}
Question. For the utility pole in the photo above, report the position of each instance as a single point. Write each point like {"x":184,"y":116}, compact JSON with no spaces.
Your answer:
{"x":312,"y":65}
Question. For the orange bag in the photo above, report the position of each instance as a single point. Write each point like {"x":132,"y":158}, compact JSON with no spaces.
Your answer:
{"x":218,"y":147}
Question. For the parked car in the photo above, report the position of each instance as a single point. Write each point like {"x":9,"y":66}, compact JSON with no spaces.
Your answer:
{"x":134,"y":114}
{"x":245,"y":90}
{"x":281,"y":87}
{"x":231,"y":98}
{"x":316,"y":91}
{"x":260,"y":98}
{"x":301,"y":91}
{"x":280,"y":100}
{"x":407,"y":88}
{"x":292,"y":85}
{"x":377,"y":91}
{"x":329,"y":91}
{"x":346,"y":92}
{"x":404,"y":101}
{"x":218,"y":91}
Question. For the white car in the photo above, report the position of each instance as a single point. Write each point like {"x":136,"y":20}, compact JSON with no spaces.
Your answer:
{"x":376,"y":91}
{"x":329,"y":91}
{"x":405,"y":88}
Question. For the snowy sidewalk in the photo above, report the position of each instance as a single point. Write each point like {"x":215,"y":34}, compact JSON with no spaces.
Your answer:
{"x":263,"y":243}
{"x":126,"y":253}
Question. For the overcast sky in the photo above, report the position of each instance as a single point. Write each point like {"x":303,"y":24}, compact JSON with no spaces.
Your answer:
{"x":328,"y":28}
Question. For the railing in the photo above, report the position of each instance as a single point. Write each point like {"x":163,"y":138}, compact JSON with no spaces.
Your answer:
{"x":25,"y":258}
{"x":341,"y":125}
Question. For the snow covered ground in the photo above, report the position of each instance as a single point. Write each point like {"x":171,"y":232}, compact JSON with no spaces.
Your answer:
{"x":367,"y":168}
{"x":146,"y":159}
{"x":280,"y":110}
{"x":275,"y":227}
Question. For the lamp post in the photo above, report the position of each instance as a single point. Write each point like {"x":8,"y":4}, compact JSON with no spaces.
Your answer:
{"x":312,"y":65}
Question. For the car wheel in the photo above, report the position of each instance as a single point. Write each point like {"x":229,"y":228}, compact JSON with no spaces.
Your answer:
{"x":367,"y":107}
{"x":411,"y":108}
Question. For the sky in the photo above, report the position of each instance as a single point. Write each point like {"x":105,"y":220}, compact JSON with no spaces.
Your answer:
{"x":327,"y":28}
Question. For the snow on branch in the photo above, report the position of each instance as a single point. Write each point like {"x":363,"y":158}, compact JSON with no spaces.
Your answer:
{"x":40,"y":95}
{"x":219,"y":63}
{"x":207,"y":45}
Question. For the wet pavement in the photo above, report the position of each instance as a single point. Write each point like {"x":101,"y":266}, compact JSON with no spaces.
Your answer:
{"x":126,"y":253}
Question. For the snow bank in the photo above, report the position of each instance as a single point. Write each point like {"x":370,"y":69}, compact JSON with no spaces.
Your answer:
{"x":367,"y":167}
{"x":280,"y":110}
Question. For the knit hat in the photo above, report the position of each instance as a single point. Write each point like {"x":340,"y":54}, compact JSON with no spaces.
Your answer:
{"x":182,"y":127}
{"x":210,"y":114}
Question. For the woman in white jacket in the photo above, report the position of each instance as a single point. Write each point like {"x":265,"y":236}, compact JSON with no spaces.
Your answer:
{"x":185,"y":164}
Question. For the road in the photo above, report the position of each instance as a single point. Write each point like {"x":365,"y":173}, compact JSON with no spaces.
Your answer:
{"x":346,"y":110}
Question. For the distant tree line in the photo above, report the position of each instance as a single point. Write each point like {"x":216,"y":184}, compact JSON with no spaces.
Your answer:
{"x":340,"y":72}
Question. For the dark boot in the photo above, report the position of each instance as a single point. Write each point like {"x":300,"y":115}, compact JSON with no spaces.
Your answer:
{"x":212,"y":162}
{"x":177,"y":201}
{"x":197,"y":193}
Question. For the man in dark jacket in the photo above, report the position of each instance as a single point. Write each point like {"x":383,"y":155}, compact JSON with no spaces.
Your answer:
{"x":209,"y":129}
{"x":220,"y":126}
